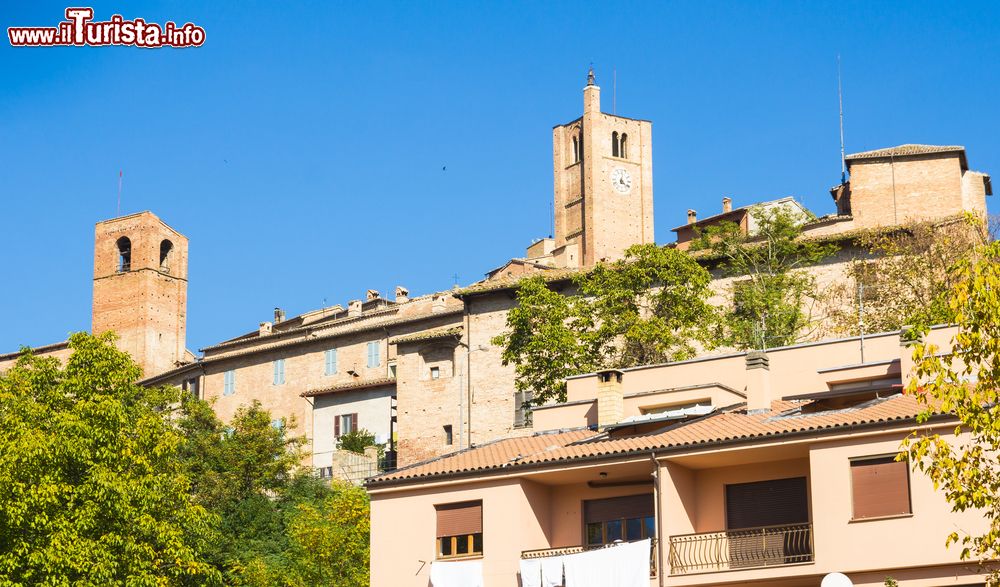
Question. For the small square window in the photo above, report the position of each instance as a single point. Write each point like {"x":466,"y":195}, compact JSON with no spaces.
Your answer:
{"x":435,"y":373}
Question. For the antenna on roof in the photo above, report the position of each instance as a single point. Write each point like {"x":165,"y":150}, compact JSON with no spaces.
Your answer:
{"x":119,"y":212}
{"x":840,"y":99}
{"x":614,"y":91}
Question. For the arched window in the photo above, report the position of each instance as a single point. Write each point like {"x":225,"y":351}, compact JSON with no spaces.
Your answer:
{"x":124,"y":254}
{"x":576,"y":150}
{"x":614,"y":144}
{"x":623,"y":149}
{"x":166,"y":247}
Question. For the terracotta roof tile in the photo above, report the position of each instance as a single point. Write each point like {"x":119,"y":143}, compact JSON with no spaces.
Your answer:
{"x":350,"y":386}
{"x":730,"y":425}
{"x":432,"y":334}
{"x":905,"y":150}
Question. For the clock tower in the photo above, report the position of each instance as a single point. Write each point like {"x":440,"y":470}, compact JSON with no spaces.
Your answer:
{"x":603,"y":169}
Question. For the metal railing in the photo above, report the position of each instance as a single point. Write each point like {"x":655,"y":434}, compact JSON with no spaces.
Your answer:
{"x":547,"y":552}
{"x":745,"y":548}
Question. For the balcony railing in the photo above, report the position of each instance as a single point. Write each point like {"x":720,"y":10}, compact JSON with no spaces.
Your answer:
{"x":741,"y":549}
{"x":547,"y":552}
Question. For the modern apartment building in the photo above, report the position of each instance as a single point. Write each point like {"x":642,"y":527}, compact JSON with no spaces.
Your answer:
{"x":756,"y":468}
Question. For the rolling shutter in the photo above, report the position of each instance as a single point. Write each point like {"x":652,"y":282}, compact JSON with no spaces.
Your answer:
{"x":617,"y":508}
{"x":881,"y":487}
{"x":336,"y":426}
{"x":767,"y":503}
{"x":459,"y":519}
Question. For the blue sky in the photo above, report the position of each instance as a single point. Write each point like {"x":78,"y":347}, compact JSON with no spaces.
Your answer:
{"x":301,"y":148}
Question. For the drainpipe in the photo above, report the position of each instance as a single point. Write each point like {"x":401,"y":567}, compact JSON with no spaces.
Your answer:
{"x":660,"y":571}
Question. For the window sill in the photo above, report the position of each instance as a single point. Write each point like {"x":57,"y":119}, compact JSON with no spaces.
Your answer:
{"x":879,"y":518}
{"x":469,"y":557}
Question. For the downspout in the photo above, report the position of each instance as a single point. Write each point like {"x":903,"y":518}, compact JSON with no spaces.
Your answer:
{"x":468,"y":366}
{"x":660,"y":571}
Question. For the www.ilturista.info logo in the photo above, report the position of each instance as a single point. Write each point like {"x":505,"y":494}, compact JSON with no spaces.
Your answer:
{"x":80,"y":30}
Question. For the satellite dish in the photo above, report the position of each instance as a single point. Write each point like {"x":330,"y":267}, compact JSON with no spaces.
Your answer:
{"x":836,"y":580}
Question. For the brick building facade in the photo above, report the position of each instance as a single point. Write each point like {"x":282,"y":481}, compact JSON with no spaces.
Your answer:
{"x":421,"y":372}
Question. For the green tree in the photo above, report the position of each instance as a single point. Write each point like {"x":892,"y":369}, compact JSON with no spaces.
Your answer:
{"x":357,"y":440}
{"x":769,"y":289}
{"x":902,"y":276}
{"x":966,"y":383}
{"x":244,"y":472}
{"x":649,"y":307}
{"x":91,"y":489}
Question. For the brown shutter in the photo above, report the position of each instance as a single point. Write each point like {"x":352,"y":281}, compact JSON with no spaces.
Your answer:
{"x":880,"y":487}
{"x":616,"y":508}
{"x":336,"y":426}
{"x":767,"y":503}
{"x":354,"y":422}
{"x":459,"y":519}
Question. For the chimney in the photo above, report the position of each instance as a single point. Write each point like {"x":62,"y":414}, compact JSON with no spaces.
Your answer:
{"x":437,"y":303}
{"x":371,"y":294}
{"x":758,"y":382}
{"x":353,"y":308}
{"x":265,"y":328}
{"x":692,"y":217}
{"x":727,"y":205}
{"x":610,"y":398}
{"x":402,"y":294}
{"x":279,"y":315}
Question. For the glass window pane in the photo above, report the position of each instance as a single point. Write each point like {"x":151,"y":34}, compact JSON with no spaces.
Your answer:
{"x":614,"y":531}
{"x":463,"y":545}
{"x":477,"y":542}
{"x":633,"y":529}
{"x":446,"y":546}
{"x":595,"y":533}
{"x":650,"y":524}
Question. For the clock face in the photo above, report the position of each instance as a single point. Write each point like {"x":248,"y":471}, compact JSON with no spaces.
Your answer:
{"x":621,"y":180}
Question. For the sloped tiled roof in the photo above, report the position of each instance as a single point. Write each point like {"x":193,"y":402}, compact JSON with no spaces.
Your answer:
{"x":350,"y":386}
{"x":730,"y":425}
{"x":907,"y":150}
{"x":432,"y":334}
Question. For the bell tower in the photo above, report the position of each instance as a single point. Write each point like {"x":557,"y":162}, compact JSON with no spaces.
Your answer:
{"x":603,"y":168}
{"x":140,"y":289}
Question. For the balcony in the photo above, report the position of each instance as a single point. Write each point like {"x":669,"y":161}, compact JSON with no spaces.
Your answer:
{"x":547,"y":552}
{"x":746,"y":548}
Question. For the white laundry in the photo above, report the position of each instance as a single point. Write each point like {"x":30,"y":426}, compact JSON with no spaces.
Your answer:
{"x":624,"y":565}
{"x":457,"y":573}
{"x":531,"y":572}
{"x":552,"y":571}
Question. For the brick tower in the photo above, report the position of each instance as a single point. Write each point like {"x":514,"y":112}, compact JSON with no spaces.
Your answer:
{"x":140,"y":288}
{"x":603,"y":168}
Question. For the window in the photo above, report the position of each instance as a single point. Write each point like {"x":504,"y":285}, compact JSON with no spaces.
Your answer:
{"x":767,"y":503}
{"x":229,"y":385}
{"x":124,"y":254}
{"x":448,"y":439}
{"x":522,"y":409}
{"x":166,"y":247}
{"x":330,"y":362}
{"x":279,"y":372}
{"x":623,"y":148}
{"x":392,"y":370}
{"x":880,"y":487}
{"x":619,"y":518}
{"x":576,"y":150}
{"x":435,"y":373}
{"x":345,"y":424}
{"x":614,"y":144}
{"x":459,"y":529}
{"x":191,"y":386}
{"x":373,"y":358}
